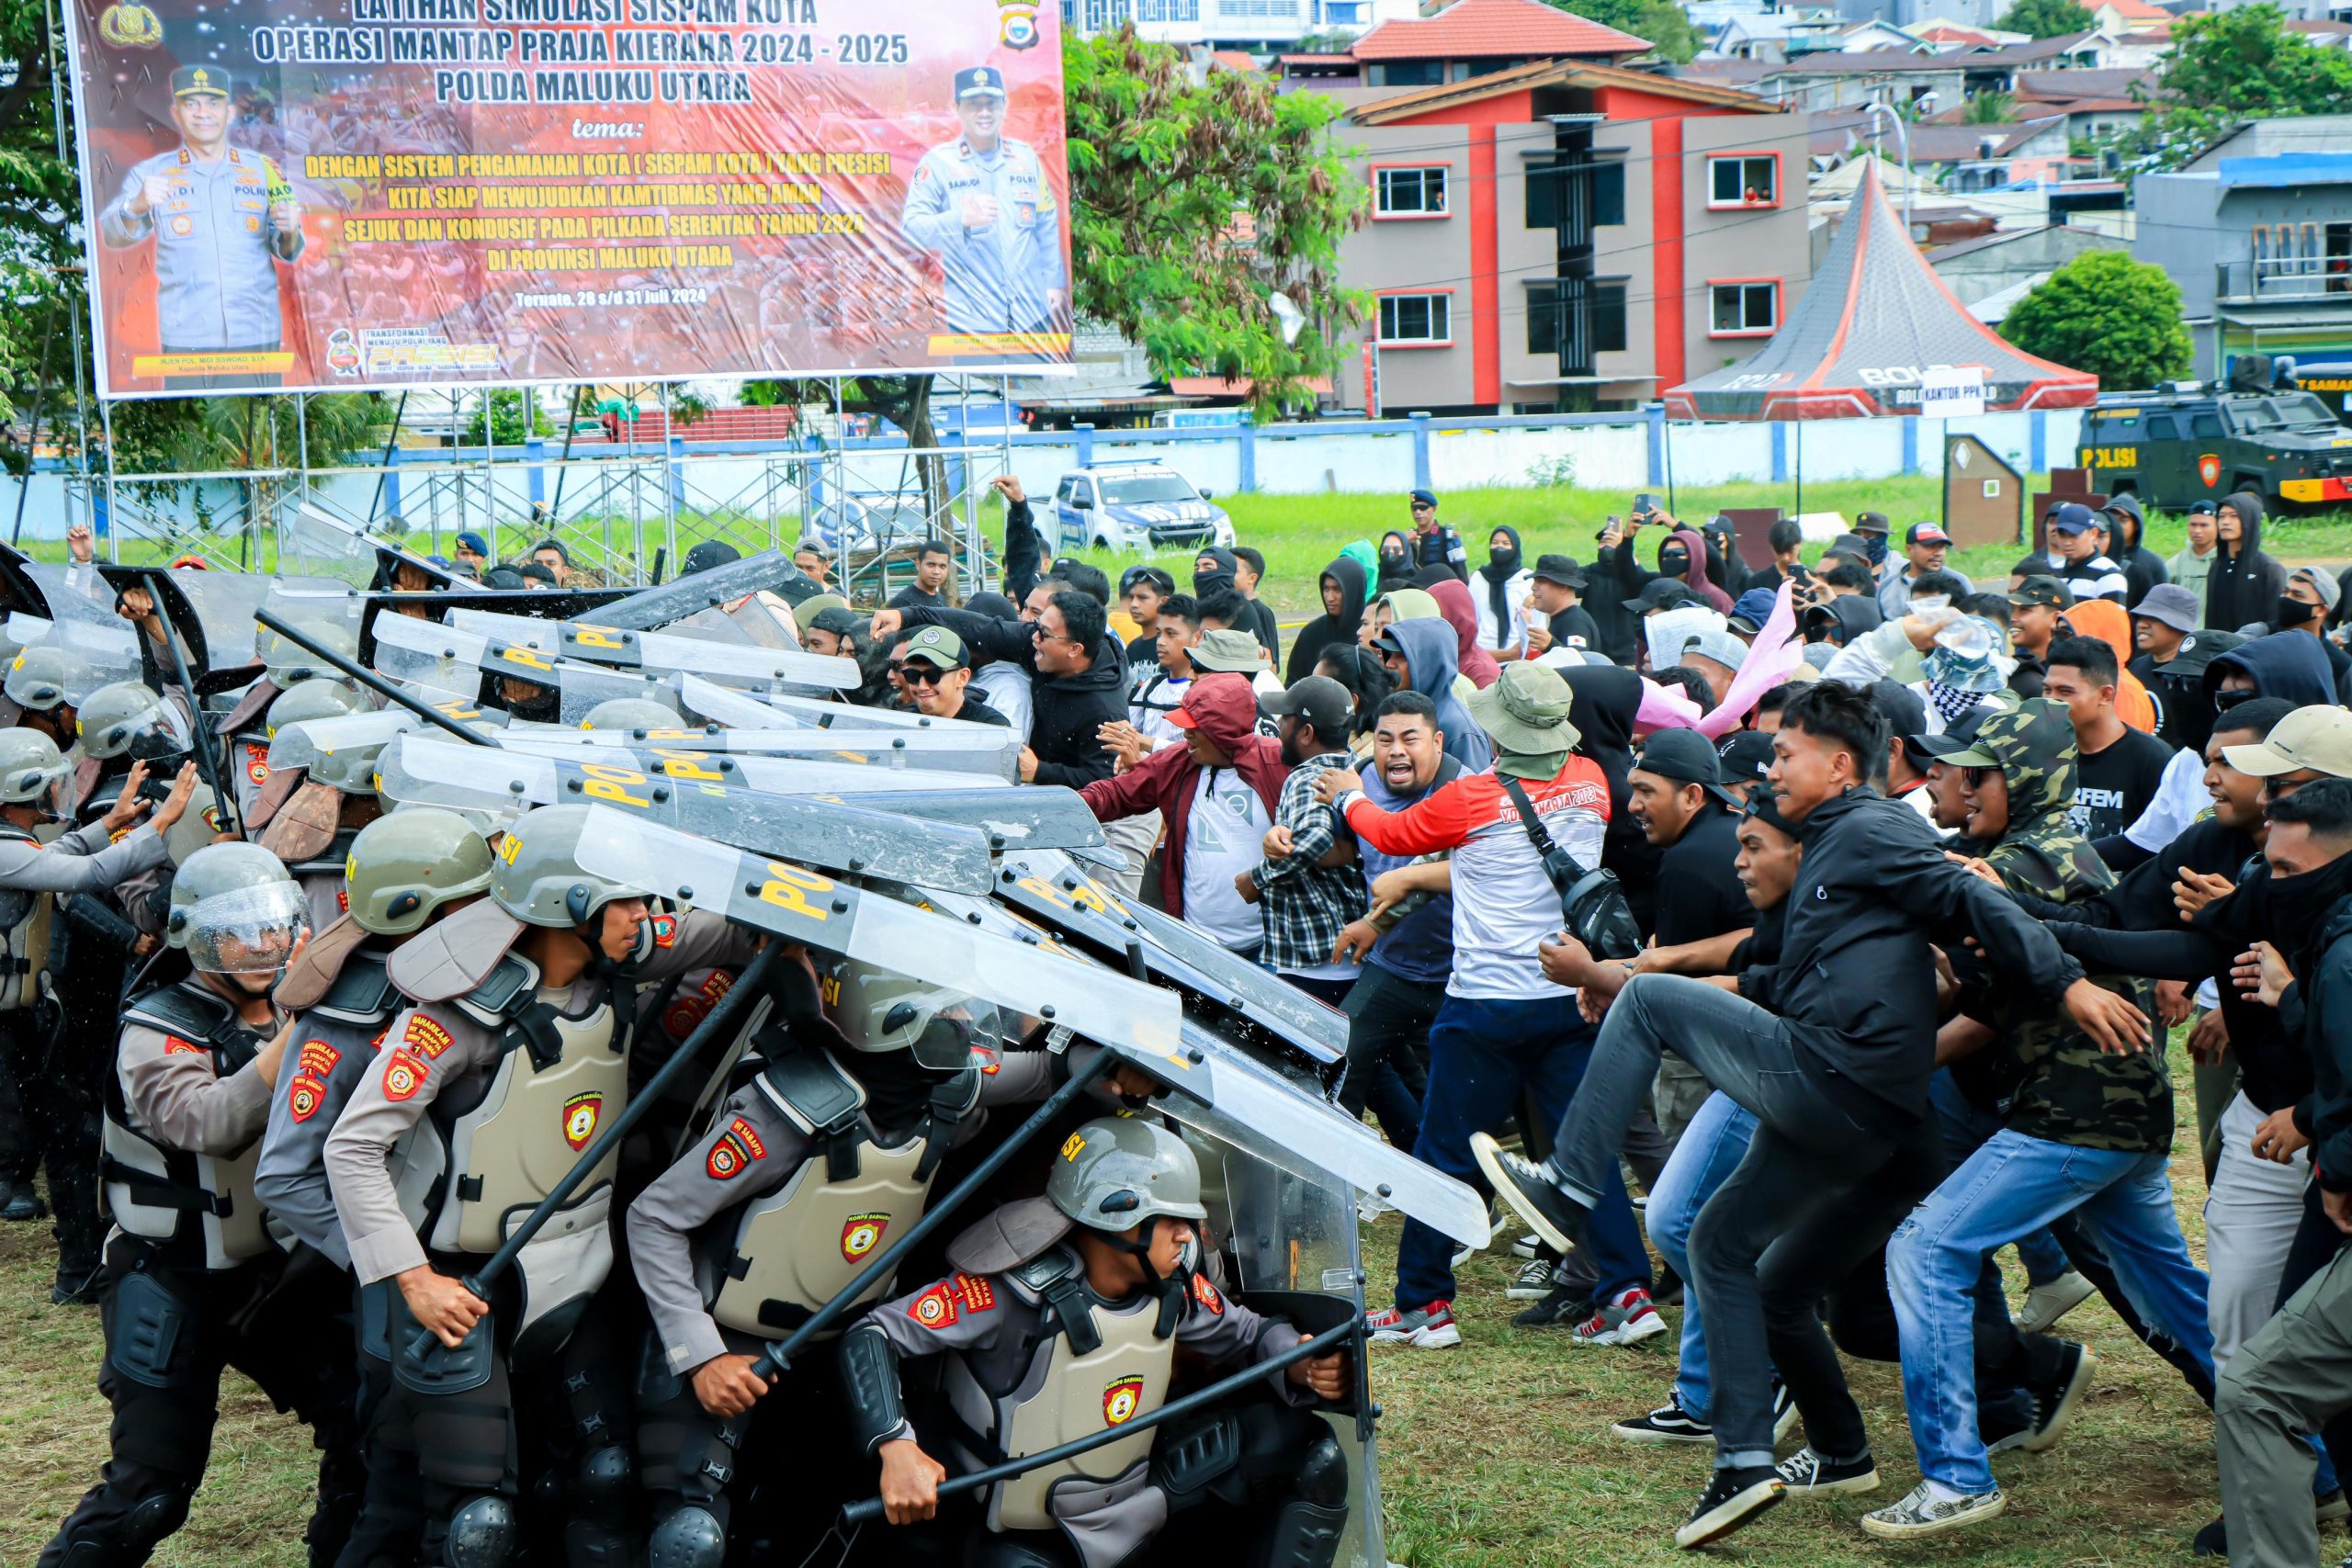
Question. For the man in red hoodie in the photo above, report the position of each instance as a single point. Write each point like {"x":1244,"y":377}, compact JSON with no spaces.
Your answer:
{"x":1217,"y":792}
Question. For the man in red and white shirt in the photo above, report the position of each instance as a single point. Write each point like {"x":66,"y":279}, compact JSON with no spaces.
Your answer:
{"x":1504,"y":1029}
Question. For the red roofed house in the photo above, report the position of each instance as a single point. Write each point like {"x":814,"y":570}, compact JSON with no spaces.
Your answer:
{"x":1559,"y":232}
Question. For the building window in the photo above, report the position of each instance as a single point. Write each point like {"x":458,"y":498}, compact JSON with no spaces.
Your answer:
{"x":1410,"y":321}
{"x":1408,"y":192}
{"x":1168,"y":10}
{"x":1744,"y":308}
{"x":1747,"y":181}
{"x":1609,"y":317}
{"x":1405,"y":74}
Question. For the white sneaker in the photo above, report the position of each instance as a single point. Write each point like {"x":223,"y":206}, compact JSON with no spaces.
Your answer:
{"x":2045,"y":1305}
{"x":1922,"y":1515}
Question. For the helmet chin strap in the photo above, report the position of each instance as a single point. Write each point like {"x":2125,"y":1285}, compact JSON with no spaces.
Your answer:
{"x":1171,"y":1289}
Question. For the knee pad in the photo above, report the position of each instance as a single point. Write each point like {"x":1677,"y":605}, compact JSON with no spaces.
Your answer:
{"x":1306,"y":1535}
{"x":482,"y":1534}
{"x":690,"y":1538}
{"x":127,"y":1538}
{"x":1322,"y":1475}
{"x":604,"y":1484}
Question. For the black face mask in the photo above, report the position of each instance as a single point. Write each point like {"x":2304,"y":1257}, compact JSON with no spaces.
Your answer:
{"x":1502,"y":563}
{"x":1675,"y":562}
{"x":2292,"y":612}
{"x":2299,"y":905}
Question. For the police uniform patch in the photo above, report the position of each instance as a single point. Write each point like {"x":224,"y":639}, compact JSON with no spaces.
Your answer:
{"x":978,"y":1294}
{"x":1121,"y":1399}
{"x":665,"y":930}
{"x":403,"y":1075}
{"x":1072,"y":1145}
{"x":935,"y":1308}
{"x":305,"y":1098}
{"x":736,"y":1148}
{"x":426,"y":1035}
{"x":183,"y":225}
{"x":175,"y":1047}
{"x":580,"y":1116}
{"x":342,"y":901}
{"x":1208,"y":1295}
{"x":862,"y":1235}
{"x":316,"y":1060}
{"x":256,"y":762}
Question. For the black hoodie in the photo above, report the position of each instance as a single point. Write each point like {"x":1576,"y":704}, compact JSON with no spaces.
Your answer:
{"x":1066,"y":710}
{"x":1258,"y":619}
{"x":2244,"y":583}
{"x":1306,"y":649}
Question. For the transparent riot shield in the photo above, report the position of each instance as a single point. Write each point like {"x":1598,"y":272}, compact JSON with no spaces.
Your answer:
{"x":494,"y":640}
{"x":816,"y":712}
{"x":769,"y":571}
{"x":988,"y":750}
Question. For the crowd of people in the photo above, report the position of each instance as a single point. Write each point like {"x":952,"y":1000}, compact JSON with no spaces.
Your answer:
{"x":1841,"y":911}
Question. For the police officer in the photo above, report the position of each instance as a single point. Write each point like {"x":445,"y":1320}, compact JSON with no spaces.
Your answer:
{"x":632,"y":713}
{"x":1062,"y":1320}
{"x":222,"y":216}
{"x":46,"y":1107}
{"x":195,"y":1283}
{"x":802,"y":1177}
{"x":983,"y":203}
{"x":308,"y":813}
{"x":513,"y":1048}
{"x":46,"y":686}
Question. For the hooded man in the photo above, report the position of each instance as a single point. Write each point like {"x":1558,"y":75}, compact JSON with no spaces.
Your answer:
{"x":1342,"y":588}
{"x":1455,"y":606}
{"x":1215,"y":572}
{"x":2306,"y":606}
{"x":2243,"y":585}
{"x":1498,"y":591}
{"x":1425,"y":650}
{"x":2142,"y":567}
{"x":1218,"y":793}
{"x":1077,"y":673}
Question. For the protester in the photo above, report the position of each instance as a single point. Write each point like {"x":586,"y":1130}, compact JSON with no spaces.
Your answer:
{"x":2161,"y":620}
{"x":1342,"y":590}
{"x":2037,"y":605}
{"x":2192,"y":565}
{"x":1419,"y":656}
{"x":2126,"y":528}
{"x":934,"y":561}
{"x":1454,"y":607}
{"x":2243,"y":585}
{"x":937,"y":671}
{"x":2119,"y":768}
{"x":1309,"y":895}
{"x":1397,"y":566}
{"x":1143,"y":590}
{"x":1925,"y":546}
{"x":2305,"y":605}
{"x":1080,"y":675}
{"x":815,"y":563}
{"x":1785,"y":539}
{"x":1499,"y":592}
{"x":1554,"y":619}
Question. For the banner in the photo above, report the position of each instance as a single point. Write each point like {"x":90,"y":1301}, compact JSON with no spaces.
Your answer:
{"x":338,"y":195}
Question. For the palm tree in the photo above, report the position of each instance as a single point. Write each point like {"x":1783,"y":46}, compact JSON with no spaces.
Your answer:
{"x":269,"y":436}
{"x":1991,"y":107}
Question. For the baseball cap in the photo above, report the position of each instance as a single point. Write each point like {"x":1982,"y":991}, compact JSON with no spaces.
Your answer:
{"x":1905,"y":711}
{"x":937,"y":647}
{"x":2324,"y":582}
{"x":1320,"y":700}
{"x":474,"y":542}
{"x":1424,"y":498}
{"x":2072,"y":517}
{"x":1745,"y":756}
{"x":1718,"y":644}
{"x":1764,"y":807}
{"x":978,"y":82}
{"x":1871,"y":523}
{"x":2318,"y":737}
{"x":1227,"y":652}
{"x":1562,"y":570}
{"x":2170,"y":604}
{"x":1662,"y":594}
{"x":1926,"y":533}
{"x":709,"y":555}
{"x":1849,"y":544}
{"x":1958,"y":736}
{"x":2202,"y":509}
{"x":2197,"y":651}
{"x":199,"y":82}
{"x":2041,"y":590}
{"x":1686,"y":757}
{"x":1752,"y":609}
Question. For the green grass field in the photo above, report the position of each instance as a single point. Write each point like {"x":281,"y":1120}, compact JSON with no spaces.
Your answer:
{"x":1496,"y":1455}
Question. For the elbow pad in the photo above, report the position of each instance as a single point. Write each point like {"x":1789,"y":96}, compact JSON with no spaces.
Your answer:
{"x":91,"y":914}
{"x":869,"y":1365}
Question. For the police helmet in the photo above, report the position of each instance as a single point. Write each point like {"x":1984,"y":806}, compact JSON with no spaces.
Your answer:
{"x":287,"y":664}
{"x":881,"y":1011}
{"x":127,"y":719}
{"x":30,"y":766}
{"x":43,"y":678}
{"x":404,"y":867}
{"x":1115,"y":1172}
{"x":236,"y":909}
{"x":314,"y":699}
{"x":538,"y":879}
{"x":631,"y":713}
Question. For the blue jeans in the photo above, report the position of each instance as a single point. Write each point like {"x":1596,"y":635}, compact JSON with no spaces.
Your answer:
{"x":1966,"y":1129}
{"x":2010,"y":1187}
{"x":1709,"y":1151}
{"x":1484,"y":1055}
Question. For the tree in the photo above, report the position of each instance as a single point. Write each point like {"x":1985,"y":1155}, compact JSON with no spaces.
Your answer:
{"x":1990,"y":107}
{"x":2046,"y":19}
{"x":1661,"y":23}
{"x":2107,"y":314}
{"x":1193,"y":201}
{"x":2245,"y":62}
{"x":509,"y":410}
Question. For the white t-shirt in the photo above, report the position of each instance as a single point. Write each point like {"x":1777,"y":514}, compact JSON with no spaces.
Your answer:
{"x":1223,"y":836}
{"x":2181,"y":799}
{"x":1004,"y":686}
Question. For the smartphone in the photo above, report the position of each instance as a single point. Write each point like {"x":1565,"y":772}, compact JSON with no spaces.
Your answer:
{"x":1645,"y":503}
{"x":1801,"y":572}
{"x":1613,"y":524}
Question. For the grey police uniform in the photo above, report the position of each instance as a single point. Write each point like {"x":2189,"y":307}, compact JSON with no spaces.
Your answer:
{"x":216,"y":250}
{"x":199,"y":1284}
{"x":1034,"y":1358}
{"x":997,"y":276}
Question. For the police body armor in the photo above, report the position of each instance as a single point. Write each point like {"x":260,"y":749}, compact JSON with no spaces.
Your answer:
{"x":1105,"y":1365}
{"x":200,"y":1208}
{"x":25,"y":919}
{"x":799,"y":1246}
{"x":350,"y":1020}
{"x":555,"y":1081}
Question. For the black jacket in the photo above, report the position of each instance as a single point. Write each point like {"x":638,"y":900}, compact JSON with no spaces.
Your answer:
{"x":2319,"y":1008}
{"x":1306,"y":649}
{"x":1855,"y":982}
{"x":2244,"y":582}
{"x":1066,"y":710}
{"x":1023,"y":551}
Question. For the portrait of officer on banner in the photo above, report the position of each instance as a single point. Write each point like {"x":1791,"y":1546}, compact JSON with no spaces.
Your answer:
{"x":221,"y":218}
{"x":983,"y":204}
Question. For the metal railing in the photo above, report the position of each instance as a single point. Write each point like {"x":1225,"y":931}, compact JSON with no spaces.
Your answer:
{"x":2271,"y":278}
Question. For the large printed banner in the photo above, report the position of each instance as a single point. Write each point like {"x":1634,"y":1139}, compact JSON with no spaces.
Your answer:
{"x":332,"y":195}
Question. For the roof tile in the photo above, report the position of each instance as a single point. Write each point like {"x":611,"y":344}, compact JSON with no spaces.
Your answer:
{"x":1474,"y":29}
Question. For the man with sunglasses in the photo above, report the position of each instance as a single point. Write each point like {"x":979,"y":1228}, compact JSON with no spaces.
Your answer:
{"x":937,"y":671}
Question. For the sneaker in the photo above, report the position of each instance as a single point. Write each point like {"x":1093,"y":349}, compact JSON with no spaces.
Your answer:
{"x":1807,"y":1474}
{"x":1425,"y":1328}
{"x":1527,"y":1188}
{"x":1922,"y":1515}
{"x":1667,"y":1289}
{"x":1784,"y":1411}
{"x":1669,"y":1423}
{"x":1628,"y":1320}
{"x":2004,"y":1424}
{"x":1734,"y":1497}
{"x":1533,"y":1282}
{"x":2045,"y":1305}
{"x":2055,"y":1402}
{"x":1564,"y":1306}
{"x":1527,"y":1247}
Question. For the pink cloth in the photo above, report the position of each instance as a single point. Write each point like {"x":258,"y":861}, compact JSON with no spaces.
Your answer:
{"x":1461,"y":612}
{"x":1774,"y":654}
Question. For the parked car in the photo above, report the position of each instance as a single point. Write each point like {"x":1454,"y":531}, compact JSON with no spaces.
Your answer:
{"x":1134,"y":505}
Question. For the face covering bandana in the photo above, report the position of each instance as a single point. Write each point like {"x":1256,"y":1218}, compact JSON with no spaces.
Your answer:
{"x":2291,"y":612}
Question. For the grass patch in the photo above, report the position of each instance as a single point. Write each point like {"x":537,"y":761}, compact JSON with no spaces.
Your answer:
{"x":1496,"y":1455}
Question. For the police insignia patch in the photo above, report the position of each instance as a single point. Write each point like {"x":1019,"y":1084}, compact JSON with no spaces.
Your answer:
{"x":175,"y":1047}
{"x":426,"y":1035}
{"x":935,"y":1309}
{"x":1121,"y":1400}
{"x":256,"y":762}
{"x":403,"y":1075}
{"x":580,"y":1116}
{"x":1208,"y":1295}
{"x":736,"y":1148}
{"x":978,"y":1294}
{"x":317,"y":1059}
{"x":665,"y":930}
{"x":305,"y":1098}
{"x":862,"y":1235}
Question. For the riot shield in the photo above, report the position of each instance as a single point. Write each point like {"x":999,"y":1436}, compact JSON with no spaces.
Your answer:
{"x":738,"y":710}
{"x":1055,"y":890}
{"x":651,"y":652}
{"x":330,"y":547}
{"x":702,"y":696}
{"x":814,"y":832}
{"x":803,"y":906}
{"x":769,"y":571}
{"x":103,"y":647}
{"x":990,"y":750}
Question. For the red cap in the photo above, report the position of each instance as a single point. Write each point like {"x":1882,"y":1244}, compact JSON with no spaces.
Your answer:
{"x":1926,"y":533}
{"x":1182,"y":719}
